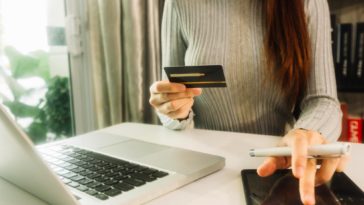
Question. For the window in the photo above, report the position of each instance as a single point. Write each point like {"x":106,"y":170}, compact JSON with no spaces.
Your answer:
{"x":34,"y":69}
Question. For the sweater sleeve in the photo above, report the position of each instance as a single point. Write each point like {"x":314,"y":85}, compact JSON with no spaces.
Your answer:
{"x":320,"y":108}
{"x":173,"y":53}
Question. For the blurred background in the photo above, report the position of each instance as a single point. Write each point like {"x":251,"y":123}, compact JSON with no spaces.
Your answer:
{"x":72,"y":66}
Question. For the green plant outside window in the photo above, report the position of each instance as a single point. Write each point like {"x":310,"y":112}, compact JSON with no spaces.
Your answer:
{"x":51,"y":115}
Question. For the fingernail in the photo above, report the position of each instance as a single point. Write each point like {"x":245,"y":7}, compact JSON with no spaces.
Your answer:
{"x":260,"y":171}
{"x":197,"y":91}
{"x":309,"y":199}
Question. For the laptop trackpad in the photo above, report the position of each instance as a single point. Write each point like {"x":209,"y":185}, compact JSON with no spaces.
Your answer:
{"x":165,"y":157}
{"x":132,"y":149}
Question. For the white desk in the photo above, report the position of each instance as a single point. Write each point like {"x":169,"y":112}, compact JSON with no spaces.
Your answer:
{"x":223,"y":187}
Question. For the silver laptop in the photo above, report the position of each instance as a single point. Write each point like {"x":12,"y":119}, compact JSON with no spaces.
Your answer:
{"x":97,"y":168}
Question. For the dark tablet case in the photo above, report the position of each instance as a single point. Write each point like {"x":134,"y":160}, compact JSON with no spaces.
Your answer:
{"x":341,"y":189}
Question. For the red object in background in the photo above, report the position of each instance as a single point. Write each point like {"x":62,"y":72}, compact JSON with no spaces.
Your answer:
{"x":355,"y":129}
{"x":344,"y":124}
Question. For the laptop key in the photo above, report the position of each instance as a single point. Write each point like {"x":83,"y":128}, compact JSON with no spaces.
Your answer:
{"x":82,"y":188}
{"x":104,"y":171}
{"x":73,"y":184}
{"x":67,"y":159}
{"x":126,"y":172}
{"x":70,"y":167}
{"x":94,"y":184}
{"x":80,"y":163}
{"x":66,"y":181}
{"x":78,"y":170}
{"x":112,"y":174}
{"x":86,"y":172}
{"x":134,"y":182}
{"x":86,"y":165}
{"x":110,"y":166}
{"x":140,"y":168}
{"x":103,"y":188}
{"x":88,"y":159}
{"x":121,"y":177}
{"x":123,"y":186}
{"x":77,"y":178}
{"x":95,"y":168}
{"x":143,"y":177}
{"x":104,"y":163}
{"x":69,"y":175}
{"x":117,"y":169}
{"x":113,"y":192}
{"x":74,"y":154}
{"x":85,"y":181}
{"x":94,"y":176}
{"x":160,"y":174}
{"x":91,"y":192}
{"x":101,"y":196}
{"x":149,"y":171}
{"x":102,"y":179}
{"x":73,"y":161}
{"x":129,"y":165}
{"x":111,"y":182}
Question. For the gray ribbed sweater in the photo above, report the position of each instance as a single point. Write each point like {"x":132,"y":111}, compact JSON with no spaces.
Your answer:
{"x":230,"y":33}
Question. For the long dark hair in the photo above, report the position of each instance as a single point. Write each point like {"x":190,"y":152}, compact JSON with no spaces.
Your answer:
{"x":287,"y":44}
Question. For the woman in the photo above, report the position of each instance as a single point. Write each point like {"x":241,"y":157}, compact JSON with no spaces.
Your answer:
{"x":279,"y":70}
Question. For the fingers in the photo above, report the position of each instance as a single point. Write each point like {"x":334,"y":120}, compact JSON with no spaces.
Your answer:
{"x":300,"y":140}
{"x":305,"y":170}
{"x":307,"y":183}
{"x":182,"y":112}
{"x":342,"y":163}
{"x":328,"y":168}
{"x":299,"y":155}
{"x":271,"y":164}
{"x":161,"y":98}
{"x":173,"y":99}
{"x":157,"y":99}
{"x":175,"y":105}
{"x":326,"y":171}
{"x":164,"y":91}
{"x":167,"y":87}
{"x":195,"y":91}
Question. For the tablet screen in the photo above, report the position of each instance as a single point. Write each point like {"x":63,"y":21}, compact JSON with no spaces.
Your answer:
{"x":282,"y":188}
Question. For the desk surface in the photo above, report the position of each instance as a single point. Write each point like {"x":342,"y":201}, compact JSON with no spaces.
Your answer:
{"x":223,"y":187}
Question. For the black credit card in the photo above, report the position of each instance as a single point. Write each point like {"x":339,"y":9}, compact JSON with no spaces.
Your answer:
{"x":206,"y":76}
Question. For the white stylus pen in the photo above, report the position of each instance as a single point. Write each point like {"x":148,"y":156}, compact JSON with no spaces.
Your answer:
{"x":315,"y":151}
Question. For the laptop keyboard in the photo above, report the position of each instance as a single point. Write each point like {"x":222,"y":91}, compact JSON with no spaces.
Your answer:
{"x":96,"y":174}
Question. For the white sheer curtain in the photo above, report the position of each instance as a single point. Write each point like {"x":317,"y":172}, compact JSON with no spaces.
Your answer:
{"x":121,"y":47}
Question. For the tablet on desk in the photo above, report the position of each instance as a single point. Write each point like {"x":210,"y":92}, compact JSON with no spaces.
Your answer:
{"x":281,"y":188}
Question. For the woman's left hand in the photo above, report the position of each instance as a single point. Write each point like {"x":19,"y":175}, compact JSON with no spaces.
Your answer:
{"x":303,"y":168}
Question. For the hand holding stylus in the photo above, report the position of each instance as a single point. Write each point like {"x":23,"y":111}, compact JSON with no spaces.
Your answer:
{"x":303,"y":168}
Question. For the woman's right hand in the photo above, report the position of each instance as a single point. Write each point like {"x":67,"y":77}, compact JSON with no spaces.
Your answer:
{"x":172,"y":99}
